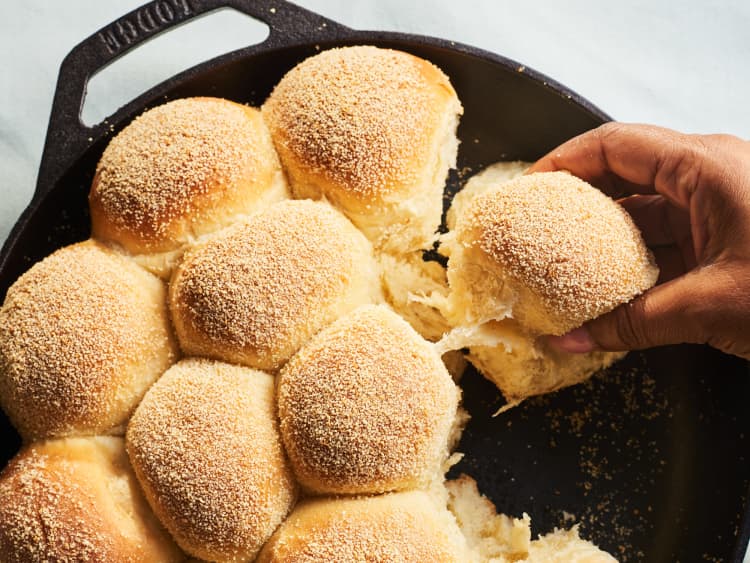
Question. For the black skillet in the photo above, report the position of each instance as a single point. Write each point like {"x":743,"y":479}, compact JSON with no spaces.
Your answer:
{"x":649,"y":457}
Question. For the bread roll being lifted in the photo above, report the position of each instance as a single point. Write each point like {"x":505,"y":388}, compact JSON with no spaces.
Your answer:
{"x":374,"y":132}
{"x":540,"y":254}
{"x":180,"y":171}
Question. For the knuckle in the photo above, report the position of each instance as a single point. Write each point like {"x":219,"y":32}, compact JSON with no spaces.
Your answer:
{"x":630,"y":331}
{"x":608,"y":130}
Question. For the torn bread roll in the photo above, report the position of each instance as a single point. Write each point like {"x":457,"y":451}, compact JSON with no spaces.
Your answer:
{"x":205,"y":447}
{"x":373,"y":131}
{"x":254,"y":293}
{"x":367,"y":406}
{"x":76,"y":499}
{"x":540,"y":254}
{"x":503,"y":539}
{"x":83,"y":334}
{"x":180,"y":171}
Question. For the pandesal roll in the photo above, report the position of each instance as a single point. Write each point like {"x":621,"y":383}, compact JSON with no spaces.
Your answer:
{"x":367,"y":406}
{"x":83,"y":334}
{"x":205,"y":447}
{"x":76,"y":499}
{"x":548,"y":249}
{"x":539,"y":254}
{"x":402,"y":527}
{"x":179,"y":171}
{"x":254,"y":293}
{"x":373,"y":131}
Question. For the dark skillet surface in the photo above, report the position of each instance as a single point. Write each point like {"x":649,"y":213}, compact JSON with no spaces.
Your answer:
{"x":649,"y":456}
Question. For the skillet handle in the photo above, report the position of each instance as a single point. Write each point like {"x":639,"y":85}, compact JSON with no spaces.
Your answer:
{"x":68,"y":136}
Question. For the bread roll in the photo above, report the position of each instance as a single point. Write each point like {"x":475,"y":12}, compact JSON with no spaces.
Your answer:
{"x":374,"y":132}
{"x":549,"y":250}
{"x":179,"y":171}
{"x":256,"y":292}
{"x":83,"y":334}
{"x":76,"y":499}
{"x":486,"y":180}
{"x":403,"y":527}
{"x":205,"y":446}
{"x":539,"y":254}
{"x":366,"y":407}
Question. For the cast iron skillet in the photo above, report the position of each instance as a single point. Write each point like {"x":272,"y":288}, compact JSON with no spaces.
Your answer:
{"x":649,"y":456}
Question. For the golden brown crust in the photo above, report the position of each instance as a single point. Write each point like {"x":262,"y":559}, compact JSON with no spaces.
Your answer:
{"x":77,"y":500}
{"x":570,"y":252}
{"x":205,"y":447}
{"x":403,"y":527}
{"x":366,"y":407}
{"x":360,"y":118}
{"x":373,"y":131}
{"x":83,"y":334}
{"x":181,"y":170}
{"x":255,"y":292}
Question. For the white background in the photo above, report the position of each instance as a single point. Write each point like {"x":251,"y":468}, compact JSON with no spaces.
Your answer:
{"x":682,"y":64}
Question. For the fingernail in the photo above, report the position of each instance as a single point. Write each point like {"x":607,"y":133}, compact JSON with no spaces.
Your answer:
{"x":577,"y":341}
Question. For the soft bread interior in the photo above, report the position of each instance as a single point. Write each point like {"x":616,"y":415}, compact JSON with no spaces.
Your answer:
{"x":497,"y":538}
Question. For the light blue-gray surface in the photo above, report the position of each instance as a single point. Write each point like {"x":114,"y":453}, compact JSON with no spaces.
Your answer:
{"x":684,"y":64}
{"x":681,"y":64}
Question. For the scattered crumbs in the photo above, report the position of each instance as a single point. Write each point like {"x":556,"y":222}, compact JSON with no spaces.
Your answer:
{"x":607,"y":511}
{"x":272,"y":10}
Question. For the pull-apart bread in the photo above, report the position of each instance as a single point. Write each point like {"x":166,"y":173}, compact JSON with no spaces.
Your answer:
{"x":540,"y":254}
{"x":338,"y":450}
{"x":180,"y":171}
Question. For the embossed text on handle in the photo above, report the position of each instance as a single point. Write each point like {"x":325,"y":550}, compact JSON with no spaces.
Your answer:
{"x":146,"y":20}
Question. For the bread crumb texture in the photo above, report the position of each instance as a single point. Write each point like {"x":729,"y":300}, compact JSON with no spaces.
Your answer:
{"x":205,"y":447}
{"x":254,"y":293}
{"x":367,"y":407}
{"x":573,"y":247}
{"x":168,"y":171}
{"x":361,"y":118}
{"x":83,"y":334}
{"x":76,"y":499}
{"x":404,"y":527}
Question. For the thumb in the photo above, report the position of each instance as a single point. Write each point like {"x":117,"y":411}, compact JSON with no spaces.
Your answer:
{"x":670,"y":313}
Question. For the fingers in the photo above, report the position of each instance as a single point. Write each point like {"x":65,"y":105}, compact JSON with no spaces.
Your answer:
{"x":666,"y":230}
{"x":633,"y":159}
{"x":670,"y":313}
{"x":671,"y":262}
{"x":653,"y":215}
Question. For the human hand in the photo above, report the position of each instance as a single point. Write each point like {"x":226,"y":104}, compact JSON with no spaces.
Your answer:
{"x":690,"y":196}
